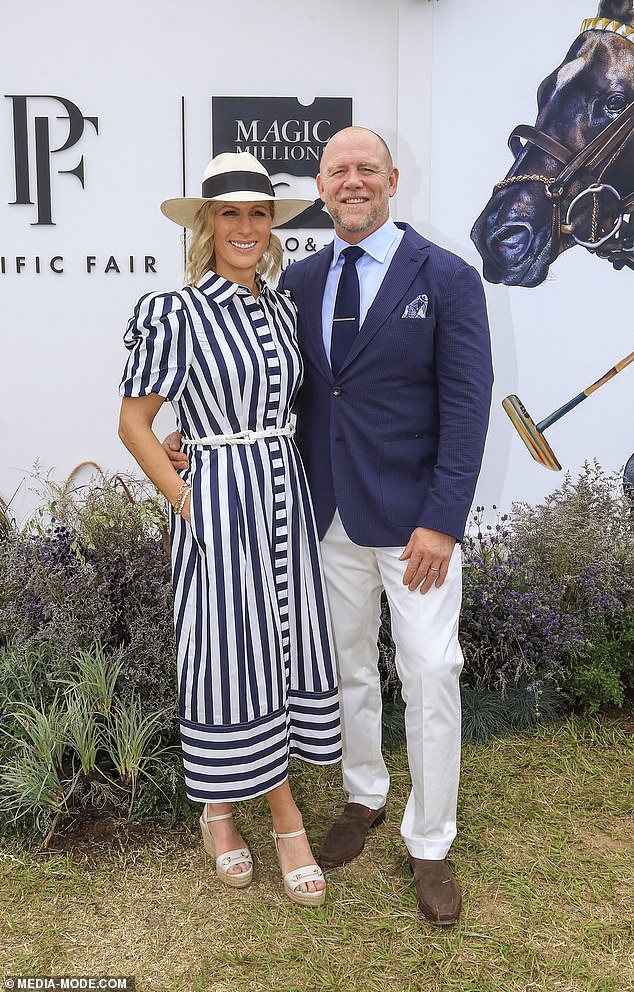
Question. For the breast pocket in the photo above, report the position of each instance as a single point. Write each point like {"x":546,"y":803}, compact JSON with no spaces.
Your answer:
{"x":411,"y":342}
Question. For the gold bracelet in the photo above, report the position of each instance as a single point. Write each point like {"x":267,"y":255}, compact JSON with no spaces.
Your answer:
{"x":181,"y":496}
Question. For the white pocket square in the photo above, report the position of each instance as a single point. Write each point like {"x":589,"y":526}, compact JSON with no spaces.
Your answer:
{"x":417,"y":308}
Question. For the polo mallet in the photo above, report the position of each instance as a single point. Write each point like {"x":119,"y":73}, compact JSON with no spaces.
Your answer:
{"x":532,"y":434}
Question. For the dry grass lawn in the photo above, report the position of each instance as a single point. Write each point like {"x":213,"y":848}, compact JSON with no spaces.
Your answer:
{"x":544,"y":854}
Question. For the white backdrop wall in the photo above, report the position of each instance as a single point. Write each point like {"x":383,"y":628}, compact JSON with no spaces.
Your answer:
{"x":443,"y":96}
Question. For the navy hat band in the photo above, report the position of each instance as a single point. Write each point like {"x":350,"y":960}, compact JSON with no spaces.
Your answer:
{"x":232,"y":182}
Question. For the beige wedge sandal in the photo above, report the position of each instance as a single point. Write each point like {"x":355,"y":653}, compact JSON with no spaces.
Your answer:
{"x":237,"y":880}
{"x":299,"y":876}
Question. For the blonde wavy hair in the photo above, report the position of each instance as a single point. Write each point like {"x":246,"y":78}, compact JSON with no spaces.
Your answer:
{"x":201,"y":255}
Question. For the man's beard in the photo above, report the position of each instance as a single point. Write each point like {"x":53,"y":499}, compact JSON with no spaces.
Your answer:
{"x":358,"y":227}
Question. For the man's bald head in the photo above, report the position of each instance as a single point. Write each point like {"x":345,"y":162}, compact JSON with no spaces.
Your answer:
{"x":351,"y":132}
{"x":356,"y":180}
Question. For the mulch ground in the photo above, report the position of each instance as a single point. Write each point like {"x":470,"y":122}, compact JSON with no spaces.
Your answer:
{"x":90,"y":833}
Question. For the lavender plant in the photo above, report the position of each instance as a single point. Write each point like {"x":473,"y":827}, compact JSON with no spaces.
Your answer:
{"x":547,"y":609}
{"x":583,"y":537}
{"x":547,"y":618}
{"x":85,"y":605}
{"x":584,"y":526}
{"x":514,"y":628}
{"x":100,"y":576}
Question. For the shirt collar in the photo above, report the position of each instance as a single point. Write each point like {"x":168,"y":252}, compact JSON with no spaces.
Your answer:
{"x":376,"y":244}
{"x":222,"y":290}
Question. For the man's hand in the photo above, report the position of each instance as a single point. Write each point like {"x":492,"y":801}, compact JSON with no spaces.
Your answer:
{"x":428,"y":554}
{"x":172,"y":445}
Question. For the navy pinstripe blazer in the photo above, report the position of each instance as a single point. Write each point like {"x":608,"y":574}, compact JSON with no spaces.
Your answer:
{"x":395,"y":441}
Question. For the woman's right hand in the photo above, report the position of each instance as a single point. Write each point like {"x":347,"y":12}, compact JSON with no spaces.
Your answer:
{"x":157,"y":460}
{"x":186,"y":511}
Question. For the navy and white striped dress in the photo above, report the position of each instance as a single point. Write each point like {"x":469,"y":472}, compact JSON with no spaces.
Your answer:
{"x":255,"y":661}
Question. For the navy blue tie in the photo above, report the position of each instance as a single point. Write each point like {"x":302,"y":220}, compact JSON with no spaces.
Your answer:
{"x":345,"y":321}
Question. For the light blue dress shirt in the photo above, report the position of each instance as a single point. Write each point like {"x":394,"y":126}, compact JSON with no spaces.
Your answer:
{"x":379,"y":248}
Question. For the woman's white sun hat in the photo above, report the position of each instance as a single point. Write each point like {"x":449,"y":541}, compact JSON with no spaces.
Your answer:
{"x":234,"y":177}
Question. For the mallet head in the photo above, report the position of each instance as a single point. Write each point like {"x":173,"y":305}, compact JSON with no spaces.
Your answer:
{"x":527,"y":430}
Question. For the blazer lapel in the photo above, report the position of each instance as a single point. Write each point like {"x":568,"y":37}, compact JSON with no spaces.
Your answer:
{"x":409,"y":257}
{"x":311,"y":310}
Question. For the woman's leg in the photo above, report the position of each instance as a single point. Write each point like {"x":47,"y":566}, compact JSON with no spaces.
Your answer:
{"x":226,"y":835}
{"x":294,"y":852}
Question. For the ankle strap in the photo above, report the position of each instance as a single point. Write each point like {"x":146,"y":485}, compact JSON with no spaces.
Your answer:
{"x":294,"y":833}
{"x":211,"y":819}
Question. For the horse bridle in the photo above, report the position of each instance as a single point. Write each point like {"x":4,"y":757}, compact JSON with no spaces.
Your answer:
{"x":617,"y":245}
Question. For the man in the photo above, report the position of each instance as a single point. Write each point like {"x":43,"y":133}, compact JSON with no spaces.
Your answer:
{"x":392,"y":441}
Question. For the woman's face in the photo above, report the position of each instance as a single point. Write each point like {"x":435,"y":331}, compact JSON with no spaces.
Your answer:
{"x":241,"y":236}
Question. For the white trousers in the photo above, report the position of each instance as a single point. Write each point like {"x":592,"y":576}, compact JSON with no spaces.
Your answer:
{"x":428,"y":661}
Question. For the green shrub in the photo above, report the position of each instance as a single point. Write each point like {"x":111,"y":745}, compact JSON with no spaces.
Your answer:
{"x":604,"y":671}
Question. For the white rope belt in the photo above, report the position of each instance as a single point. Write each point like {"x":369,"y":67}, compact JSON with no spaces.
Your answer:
{"x":243,"y":437}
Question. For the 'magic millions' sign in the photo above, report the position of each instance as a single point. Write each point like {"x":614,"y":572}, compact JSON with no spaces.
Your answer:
{"x":287,"y":137}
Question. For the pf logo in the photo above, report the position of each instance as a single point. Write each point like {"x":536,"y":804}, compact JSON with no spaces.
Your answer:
{"x":34,"y":153}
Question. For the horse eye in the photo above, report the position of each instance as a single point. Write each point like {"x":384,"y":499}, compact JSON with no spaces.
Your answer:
{"x":615,"y":103}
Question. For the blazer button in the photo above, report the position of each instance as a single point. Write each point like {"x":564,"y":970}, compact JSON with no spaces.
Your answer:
{"x":336,"y":391}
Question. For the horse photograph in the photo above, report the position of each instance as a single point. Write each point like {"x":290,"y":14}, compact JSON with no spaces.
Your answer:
{"x":571,"y":184}
{"x":572,"y":179}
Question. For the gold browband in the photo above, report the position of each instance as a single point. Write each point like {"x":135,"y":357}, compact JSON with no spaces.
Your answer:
{"x":607,"y":24}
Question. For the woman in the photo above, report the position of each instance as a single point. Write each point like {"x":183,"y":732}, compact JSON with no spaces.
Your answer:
{"x":254,"y":653}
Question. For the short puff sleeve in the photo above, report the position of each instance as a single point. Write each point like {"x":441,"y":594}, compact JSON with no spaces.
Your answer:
{"x":160,"y":346}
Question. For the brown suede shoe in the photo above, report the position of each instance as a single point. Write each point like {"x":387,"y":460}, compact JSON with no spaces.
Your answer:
{"x":346,"y":837}
{"x":437,"y":892}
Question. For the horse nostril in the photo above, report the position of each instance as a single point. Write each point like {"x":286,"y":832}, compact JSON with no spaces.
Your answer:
{"x":511,"y":241}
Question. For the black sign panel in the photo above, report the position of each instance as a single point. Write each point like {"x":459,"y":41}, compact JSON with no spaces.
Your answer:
{"x":285,"y":136}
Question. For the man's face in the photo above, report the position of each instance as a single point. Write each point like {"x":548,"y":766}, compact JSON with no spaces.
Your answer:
{"x":356,"y":183}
